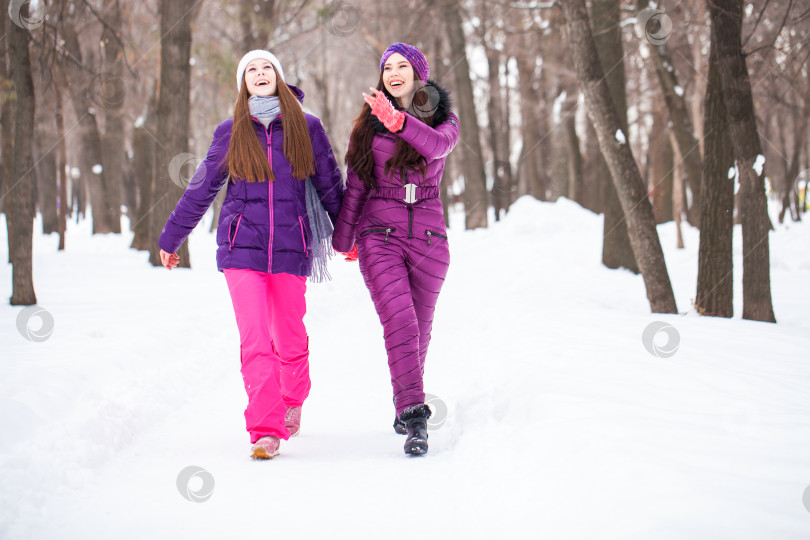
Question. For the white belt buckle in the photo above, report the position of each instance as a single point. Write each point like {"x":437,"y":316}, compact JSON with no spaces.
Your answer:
{"x":410,"y":193}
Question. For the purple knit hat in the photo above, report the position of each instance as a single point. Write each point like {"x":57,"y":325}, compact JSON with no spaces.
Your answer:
{"x":412,"y":55}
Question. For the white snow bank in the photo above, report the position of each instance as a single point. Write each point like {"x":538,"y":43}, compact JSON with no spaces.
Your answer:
{"x":559,"y":419}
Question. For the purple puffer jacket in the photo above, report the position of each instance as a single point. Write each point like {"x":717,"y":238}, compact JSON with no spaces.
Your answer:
{"x":263,"y":226}
{"x":361,"y":213}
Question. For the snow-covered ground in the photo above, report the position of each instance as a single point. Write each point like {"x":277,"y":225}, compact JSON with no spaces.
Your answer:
{"x":560,"y":423}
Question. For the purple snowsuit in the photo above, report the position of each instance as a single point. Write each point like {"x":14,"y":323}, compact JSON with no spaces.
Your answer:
{"x":402,"y":247}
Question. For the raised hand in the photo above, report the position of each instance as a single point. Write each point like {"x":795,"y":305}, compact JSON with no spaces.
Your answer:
{"x":392,"y":119}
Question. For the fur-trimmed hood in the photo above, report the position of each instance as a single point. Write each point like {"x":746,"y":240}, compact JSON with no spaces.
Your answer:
{"x":438,"y":99}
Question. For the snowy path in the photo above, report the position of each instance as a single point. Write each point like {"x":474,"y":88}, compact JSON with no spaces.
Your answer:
{"x":560,"y":423}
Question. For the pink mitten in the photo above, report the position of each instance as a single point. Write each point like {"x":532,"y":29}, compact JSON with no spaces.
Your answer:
{"x":391,"y":118}
{"x":351,"y":255}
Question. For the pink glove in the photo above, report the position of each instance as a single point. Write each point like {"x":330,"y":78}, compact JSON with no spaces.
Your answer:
{"x":351,"y":255}
{"x":392,"y":119}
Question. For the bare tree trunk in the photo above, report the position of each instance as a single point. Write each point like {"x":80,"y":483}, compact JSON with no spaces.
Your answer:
{"x":628,"y":182}
{"x":715,"y":286}
{"x":144,"y":170}
{"x":106,"y":208}
{"x":699,"y":83}
{"x":130,"y":188}
{"x":80,"y":195}
{"x":660,"y":173}
{"x":679,"y":122}
{"x":559,"y":171}
{"x":803,"y":207}
{"x":774,"y":154}
{"x":789,"y":199}
{"x":21,"y":226}
{"x":678,"y":190}
{"x":575,"y":176}
{"x":475,"y":191}
{"x":561,"y":92}
{"x":6,"y":133}
{"x":497,"y":108}
{"x":616,"y":249}
{"x":111,"y":98}
{"x":494,"y":107}
{"x":173,"y":112}
{"x":595,"y":171}
{"x":726,"y":16}
{"x":46,"y":181}
{"x":530,"y":172}
{"x":510,"y":186}
{"x":510,"y":183}
{"x":540,"y":127}
{"x":61,"y":165}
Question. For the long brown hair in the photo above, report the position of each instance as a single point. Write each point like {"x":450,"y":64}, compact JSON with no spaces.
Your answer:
{"x":247,"y":160}
{"x":359,"y":156}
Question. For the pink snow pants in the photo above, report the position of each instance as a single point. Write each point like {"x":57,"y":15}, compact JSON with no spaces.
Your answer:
{"x":270,"y":312}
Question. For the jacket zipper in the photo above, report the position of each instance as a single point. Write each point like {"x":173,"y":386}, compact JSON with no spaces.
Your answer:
{"x":387,"y":231}
{"x":431,"y":233}
{"x":303,"y":237}
{"x":270,"y":199}
{"x":232,"y":240}
{"x":410,"y":221}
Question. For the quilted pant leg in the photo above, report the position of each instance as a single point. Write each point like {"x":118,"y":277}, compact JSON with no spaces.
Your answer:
{"x":427,"y":268}
{"x":386,"y":276}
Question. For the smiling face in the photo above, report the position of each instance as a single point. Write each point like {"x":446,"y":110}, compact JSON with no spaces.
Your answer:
{"x":260,"y":78}
{"x":398,"y":78}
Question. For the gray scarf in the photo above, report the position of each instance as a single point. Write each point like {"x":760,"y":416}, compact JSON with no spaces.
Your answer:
{"x":322,"y":229}
{"x":266,"y":109}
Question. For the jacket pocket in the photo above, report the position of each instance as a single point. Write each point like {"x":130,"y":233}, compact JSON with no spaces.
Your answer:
{"x":303,"y":236}
{"x":233,"y":230}
{"x":380,"y":230}
{"x":431,"y":234}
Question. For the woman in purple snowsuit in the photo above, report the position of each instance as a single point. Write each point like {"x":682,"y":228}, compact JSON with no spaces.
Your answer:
{"x":392,"y":213}
{"x":283,"y":177}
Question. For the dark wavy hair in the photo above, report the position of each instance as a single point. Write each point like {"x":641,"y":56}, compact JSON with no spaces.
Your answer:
{"x":359,"y":156}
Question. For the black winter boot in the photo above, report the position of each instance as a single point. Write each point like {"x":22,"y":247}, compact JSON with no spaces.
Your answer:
{"x":415,"y":419}
{"x":399,"y":425}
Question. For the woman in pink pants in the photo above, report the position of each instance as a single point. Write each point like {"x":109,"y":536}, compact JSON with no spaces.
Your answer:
{"x":273,"y":232}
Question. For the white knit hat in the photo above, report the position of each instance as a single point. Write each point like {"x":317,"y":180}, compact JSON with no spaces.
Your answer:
{"x":250,"y":57}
